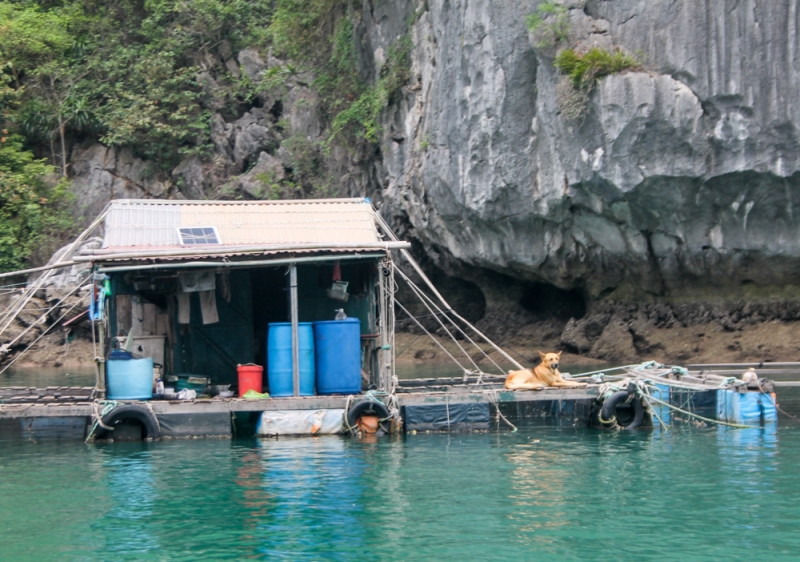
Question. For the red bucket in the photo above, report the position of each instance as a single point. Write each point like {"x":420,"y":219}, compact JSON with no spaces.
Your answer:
{"x":251,"y":377}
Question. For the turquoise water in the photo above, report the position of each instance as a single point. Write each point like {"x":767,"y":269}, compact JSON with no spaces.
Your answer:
{"x":42,"y":377}
{"x":544,"y":494}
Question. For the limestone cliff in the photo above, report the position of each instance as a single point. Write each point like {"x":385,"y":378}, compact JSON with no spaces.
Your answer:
{"x":681,"y":176}
{"x":681,"y":181}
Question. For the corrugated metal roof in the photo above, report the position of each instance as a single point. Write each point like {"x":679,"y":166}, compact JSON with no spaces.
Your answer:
{"x":215,"y":255}
{"x":149,"y":223}
{"x":135,"y":223}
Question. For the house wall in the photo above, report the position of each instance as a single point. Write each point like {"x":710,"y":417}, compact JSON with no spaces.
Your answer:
{"x":257,"y":298}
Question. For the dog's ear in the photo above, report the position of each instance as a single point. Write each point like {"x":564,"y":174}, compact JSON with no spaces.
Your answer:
{"x":559,"y":354}
{"x":542,"y":355}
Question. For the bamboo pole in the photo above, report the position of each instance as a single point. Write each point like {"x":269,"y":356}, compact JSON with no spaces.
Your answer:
{"x":405,"y":253}
{"x":12,"y":312}
{"x":382,"y":378}
{"x":100,"y":383}
{"x":37,"y":269}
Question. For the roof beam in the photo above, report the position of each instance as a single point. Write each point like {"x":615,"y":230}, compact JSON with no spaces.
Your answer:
{"x":213,"y":250}
{"x":237,"y":264}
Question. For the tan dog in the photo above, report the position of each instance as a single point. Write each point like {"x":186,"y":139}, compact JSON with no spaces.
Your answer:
{"x":543,"y":375}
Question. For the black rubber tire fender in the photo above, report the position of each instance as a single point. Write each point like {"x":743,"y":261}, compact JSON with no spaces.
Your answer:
{"x":136,"y":412}
{"x":608,"y":412}
{"x":372,"y":407}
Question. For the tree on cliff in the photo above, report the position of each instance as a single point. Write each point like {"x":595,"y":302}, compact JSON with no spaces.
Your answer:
{"x":149,"y":76}
{"x":33,"y":212}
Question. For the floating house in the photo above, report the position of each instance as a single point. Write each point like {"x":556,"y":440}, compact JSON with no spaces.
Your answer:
{"x":205,"y":295}
{"x":197,"y":283}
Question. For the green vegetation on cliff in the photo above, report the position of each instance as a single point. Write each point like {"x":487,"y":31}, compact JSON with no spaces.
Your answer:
{"x":584,"y":69}
{"x":34,"y":207}
{"x":124,"y":72}
{"x":320,"y":35}
{"x":581,"y":71}
{"x":136,"y":74}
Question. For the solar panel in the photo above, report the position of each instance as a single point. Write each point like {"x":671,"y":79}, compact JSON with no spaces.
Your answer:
{"x":192,"y":236}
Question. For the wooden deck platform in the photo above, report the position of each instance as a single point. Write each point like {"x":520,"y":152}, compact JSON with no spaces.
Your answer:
{"x":441,"y":404}
{"x":81,"y":406}
{"x":66,"y":413}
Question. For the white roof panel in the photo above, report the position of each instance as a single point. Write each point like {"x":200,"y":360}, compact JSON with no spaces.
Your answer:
{"x":149,"y":223}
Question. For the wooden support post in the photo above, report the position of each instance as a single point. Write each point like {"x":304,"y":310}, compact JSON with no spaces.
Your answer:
{"x":295,"y":335}
{"x":100,"y":383}
{"x":383,"y":379}
{"x":372,"y":362}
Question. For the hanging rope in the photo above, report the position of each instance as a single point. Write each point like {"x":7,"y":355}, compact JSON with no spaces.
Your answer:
{"x":14,"y":311}
{"x":43,"y":334}
{"x":347,"y":404}
{"x":421,"y":327}
{"x":491,"y":397}
{"x":448,"y":332}
{"x":97,"y":416}
{"x":426,"y":299}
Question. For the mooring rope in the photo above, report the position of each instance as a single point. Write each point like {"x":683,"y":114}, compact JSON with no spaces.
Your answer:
{"x":603,"y":371}
{"x":155,"y":417}
{"x":491,"y":396}
{"x":774,"y":402}
{"x":693,"y":415}
{"x":40,"y":319}
{"x":643,"y":391}
{"x":97,"y":416}
{"x":409,"y":346}
{"x":13,"y":311}
{"x":646,"y":395}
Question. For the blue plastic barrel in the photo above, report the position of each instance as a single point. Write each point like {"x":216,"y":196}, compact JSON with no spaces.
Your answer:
{"x":338,"y":357}
{"x":129,"y":379}
{"x":279,"y":359}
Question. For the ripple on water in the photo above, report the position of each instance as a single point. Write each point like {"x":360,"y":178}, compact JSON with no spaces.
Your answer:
{"x":548,"y":494}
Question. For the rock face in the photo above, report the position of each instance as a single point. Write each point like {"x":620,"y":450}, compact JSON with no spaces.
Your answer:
{"x":681,"y":179}
{"x":101,"y":174}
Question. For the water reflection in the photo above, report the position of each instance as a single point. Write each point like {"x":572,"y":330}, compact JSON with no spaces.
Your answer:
{"x":126,"y":470}
{"x":745,"y":454}
{"x":544,"y":494}
{"x":254,"y":498}
{"x":314,"y":488}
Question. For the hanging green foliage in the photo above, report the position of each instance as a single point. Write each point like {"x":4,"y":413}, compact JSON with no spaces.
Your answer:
{"x":584,"y":69}
{"x":581,"y":71}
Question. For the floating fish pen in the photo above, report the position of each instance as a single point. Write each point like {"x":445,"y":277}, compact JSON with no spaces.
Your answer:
{"x":277,"y":318}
